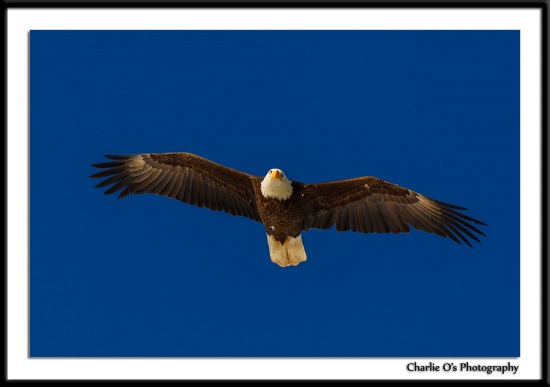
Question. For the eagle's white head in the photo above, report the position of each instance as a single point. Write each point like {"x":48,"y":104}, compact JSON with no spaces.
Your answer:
{"x":276,"y":185}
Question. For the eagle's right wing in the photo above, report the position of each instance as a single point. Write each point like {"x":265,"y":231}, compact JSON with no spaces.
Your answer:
{"x":183,"y":176}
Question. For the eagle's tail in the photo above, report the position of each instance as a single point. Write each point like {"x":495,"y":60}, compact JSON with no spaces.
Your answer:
{"x":289,"y":253}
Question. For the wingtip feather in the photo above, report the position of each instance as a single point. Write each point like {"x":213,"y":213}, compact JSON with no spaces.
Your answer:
{"x":123,"y":194}
{"x":117,"y":157}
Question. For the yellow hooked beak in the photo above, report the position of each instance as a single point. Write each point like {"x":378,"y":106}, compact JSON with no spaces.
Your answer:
{"x":275,"y":174}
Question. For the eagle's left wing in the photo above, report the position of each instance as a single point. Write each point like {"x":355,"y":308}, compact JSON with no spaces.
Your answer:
{"x":371,"y":205}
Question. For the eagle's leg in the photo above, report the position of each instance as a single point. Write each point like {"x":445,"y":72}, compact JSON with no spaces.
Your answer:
{"x":289,"y":253}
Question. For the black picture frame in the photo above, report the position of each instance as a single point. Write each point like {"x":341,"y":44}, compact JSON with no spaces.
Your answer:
{"x":542,"y":5}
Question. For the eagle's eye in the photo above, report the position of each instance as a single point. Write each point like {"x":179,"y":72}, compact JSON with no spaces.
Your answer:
{"x":282,"y":174}
{"x":270,"y":172}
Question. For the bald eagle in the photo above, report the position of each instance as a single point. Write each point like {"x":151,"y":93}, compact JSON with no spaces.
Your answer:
{"x":286,"y":207}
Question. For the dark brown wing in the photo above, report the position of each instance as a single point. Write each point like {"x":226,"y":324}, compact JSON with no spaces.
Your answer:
{"x":183,"y":176}
{"x":368,"y":204}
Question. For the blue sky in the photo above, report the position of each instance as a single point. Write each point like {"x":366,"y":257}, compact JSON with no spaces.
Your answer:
{"x":433,"y":111}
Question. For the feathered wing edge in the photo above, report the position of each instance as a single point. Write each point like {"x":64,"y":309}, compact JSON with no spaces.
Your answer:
{"x":182,"y":176}
{"x":372,"y":205}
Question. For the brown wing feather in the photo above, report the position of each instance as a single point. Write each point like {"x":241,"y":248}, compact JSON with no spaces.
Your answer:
{"x":184,"y":176}
{"x":368,"y":204}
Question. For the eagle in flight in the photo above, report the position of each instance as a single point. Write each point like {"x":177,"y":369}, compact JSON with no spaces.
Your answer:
{"x":286,"y":207}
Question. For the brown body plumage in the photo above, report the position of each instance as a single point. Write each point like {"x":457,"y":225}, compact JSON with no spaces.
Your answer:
{"x":281,"y":218}
{"x":364,"y":204}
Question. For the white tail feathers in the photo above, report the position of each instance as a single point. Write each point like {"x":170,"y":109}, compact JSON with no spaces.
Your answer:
{"x":290,"y":253}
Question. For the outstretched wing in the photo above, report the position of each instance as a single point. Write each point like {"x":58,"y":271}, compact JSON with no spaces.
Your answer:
{"x":371,"y":205}
{"x":183,"y":176}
